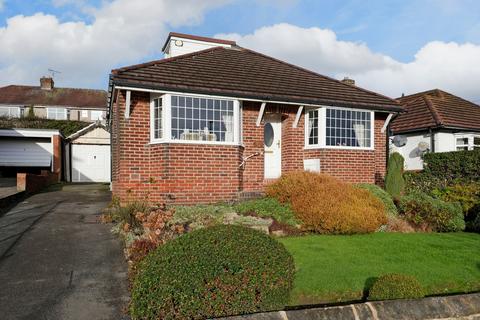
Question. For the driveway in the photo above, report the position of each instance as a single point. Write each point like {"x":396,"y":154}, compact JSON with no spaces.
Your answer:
{"x":57,"y":261}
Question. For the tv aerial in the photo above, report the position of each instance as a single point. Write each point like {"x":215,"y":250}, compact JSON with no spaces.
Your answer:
{"x":53,"y":72}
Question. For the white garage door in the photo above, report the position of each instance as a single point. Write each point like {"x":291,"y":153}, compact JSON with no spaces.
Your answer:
{"x":25,"y":152}
{"x":90,"y":163}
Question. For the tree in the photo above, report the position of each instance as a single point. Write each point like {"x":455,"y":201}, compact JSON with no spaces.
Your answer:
{"x":394,"y":181}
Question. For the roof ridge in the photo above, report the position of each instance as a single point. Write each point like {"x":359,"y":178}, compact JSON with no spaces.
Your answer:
{"x":436,"y":116}
{"x":164,"y":60}
{"x":38,"y":87}
{"x":421,"y":93}
{"x":319,"y":75}
{"x":458,"y":97}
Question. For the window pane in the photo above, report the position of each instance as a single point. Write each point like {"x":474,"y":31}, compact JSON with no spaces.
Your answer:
{"x":462,"y":141}
{"x":476,"y":141}
{"x":157,"y":121}
{"x":348,"y":128}
{"x":312,"y":127}
{"x":203,"y":120}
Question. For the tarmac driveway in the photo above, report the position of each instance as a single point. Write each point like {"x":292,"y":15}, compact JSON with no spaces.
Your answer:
{"x":57,"y":261}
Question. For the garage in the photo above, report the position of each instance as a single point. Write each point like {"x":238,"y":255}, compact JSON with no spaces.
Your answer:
{"x":89,"y":155}
{"x":26,"y":150}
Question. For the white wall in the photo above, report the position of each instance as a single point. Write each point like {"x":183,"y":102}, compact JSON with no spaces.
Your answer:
{"x":189,"y":46}
{"x":410,"y":151}
{"x":444,"y":142}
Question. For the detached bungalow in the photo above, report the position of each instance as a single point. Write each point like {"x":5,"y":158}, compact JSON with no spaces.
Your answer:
{"x":434,"y":121}
{"x":215,"y":122}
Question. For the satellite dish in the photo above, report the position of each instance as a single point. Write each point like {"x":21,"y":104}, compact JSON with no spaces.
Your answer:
{"x":423,"y":146}
{"x":399,"y":141}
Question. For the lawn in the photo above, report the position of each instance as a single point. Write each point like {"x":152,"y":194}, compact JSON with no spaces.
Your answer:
{"x":339,"y":268}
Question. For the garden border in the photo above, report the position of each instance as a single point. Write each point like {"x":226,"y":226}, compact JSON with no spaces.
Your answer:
{"x":445,"y":307}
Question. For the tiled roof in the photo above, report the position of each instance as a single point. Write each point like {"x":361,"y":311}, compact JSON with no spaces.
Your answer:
{"x":435,"y":109}
{"x":243,"y":73}
{"x":67,"y":97}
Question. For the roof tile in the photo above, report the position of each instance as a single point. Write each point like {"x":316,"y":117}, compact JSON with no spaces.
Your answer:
{"x":244,"y":73}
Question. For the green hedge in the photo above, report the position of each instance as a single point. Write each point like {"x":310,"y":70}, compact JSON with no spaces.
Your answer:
{"x":213,"y":272}
{"x":453,"y":166}
{"x":66,"y":127}
{"x":445,"y":169}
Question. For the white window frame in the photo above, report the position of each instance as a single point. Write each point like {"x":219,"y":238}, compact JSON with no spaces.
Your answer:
{"x":166,"y":120}
{"x":57,"y":112}
{"x":470,"y":143}
{"x":18,"y":110}
{"x":322,"y":125}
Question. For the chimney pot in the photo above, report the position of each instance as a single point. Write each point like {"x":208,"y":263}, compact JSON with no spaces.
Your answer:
{"x":348,"y":81}
{"x":46,"y":83}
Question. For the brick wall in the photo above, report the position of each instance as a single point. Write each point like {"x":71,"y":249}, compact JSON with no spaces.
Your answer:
{"x":196,"y":173}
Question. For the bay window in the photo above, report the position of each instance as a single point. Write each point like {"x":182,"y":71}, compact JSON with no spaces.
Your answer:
{"x":330,"y":127}
{"x":195,"y":119}
{"x":467,"y":142}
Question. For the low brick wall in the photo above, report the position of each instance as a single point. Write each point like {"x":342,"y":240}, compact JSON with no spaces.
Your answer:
{"x":465,"y":306}
{"x":31,"y":183}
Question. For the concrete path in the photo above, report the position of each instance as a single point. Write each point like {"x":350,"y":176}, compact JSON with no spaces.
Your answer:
{"x":57,"y":261}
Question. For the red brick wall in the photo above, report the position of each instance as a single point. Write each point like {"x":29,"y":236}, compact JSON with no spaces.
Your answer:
{"x":196,"y":173}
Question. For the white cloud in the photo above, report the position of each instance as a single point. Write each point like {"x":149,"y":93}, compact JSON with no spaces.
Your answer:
{"x":450,"y":66}
{"x":122,"y":31}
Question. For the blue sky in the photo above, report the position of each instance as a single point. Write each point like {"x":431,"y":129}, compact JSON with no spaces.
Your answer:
{"x":394,"y":32}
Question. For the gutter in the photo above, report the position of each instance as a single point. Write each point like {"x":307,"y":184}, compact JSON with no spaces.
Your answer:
{"x":125,"y":85}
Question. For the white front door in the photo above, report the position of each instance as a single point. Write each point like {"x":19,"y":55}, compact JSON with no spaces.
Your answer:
{"x":272,"y":137}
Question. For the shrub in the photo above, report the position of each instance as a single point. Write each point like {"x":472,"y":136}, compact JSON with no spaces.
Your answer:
{"x":212,"y":272}
{"x":138,"y":250}
{"x":444,"y":169}
{"x":419,"y":181}
{"x":268,"y":208}
{"x":394,"y":182}
{"x":453,"y":166}
{"x":468,"y":195}
{"x":383,"y":196}
{"x":396,"y":286}
{"x":432,"y":214}
{"x":326,"y":205}
{"x":201,"y":216}
{"x":473,"y":221}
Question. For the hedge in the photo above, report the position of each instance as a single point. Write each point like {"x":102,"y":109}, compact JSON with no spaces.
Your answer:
{"x":66,"y":127}
{"x":213,"y":272}
{"x":444,"y":169}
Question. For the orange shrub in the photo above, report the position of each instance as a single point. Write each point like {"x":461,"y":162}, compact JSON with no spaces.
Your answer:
{"x":327,"y":205}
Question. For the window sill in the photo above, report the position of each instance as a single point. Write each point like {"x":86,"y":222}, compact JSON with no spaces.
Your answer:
{"x":206,"y":143}
{"x":339,"y":148}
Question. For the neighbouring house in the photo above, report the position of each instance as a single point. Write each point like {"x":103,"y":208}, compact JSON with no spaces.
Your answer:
{"x":40,"y":124}
{"x":215,"y":122}
{"x":47,"y":101}
{"x":434,"y":121}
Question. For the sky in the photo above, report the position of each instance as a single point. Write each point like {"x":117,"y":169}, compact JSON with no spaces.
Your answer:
{"x":391,"y":47}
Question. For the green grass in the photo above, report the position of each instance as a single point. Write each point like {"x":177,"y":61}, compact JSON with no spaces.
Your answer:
{"x":340,"y":268}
